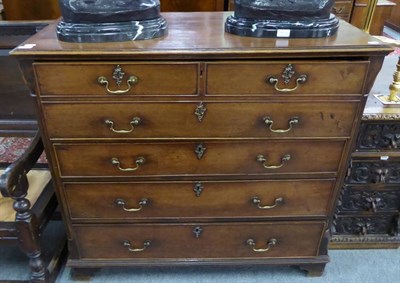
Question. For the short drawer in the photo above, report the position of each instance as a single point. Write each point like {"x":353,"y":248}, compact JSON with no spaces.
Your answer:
{"x":363,"y":198}
{"x":199,"y":240}
{"x":148,"y":79}
{"x":364,"y":225}
{"x":265,"y":78}
{"x":197,"y":200}
{"x":193,"y":119}
{"x":379,"y":136}
{"x":374,"y":168}
{"x":195,"y":159}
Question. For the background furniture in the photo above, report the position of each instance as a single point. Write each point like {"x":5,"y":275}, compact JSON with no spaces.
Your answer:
{"x":370,"y":15}
{"x":343,"y":9}
{"x":27,"y":203}
{"x":205,"y":160}
{"x":394,"y":20}
{"x":17,"y":110}
{"x":30,"y":10}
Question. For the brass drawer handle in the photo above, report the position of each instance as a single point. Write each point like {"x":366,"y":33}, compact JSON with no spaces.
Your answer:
{"x":135,"y":122}
{"x":139,"y":161}
{"x":131,"y":81}
{"x":300,"y":80}
{"x":270,"y":243}
{"x":142,"y":203}
{"x":128,"y":244}
{"x":270,"y":122}
{"x":263,"y":160}
{"x":256,"y":200}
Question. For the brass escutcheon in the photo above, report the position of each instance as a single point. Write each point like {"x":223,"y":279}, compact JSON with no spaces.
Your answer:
{"x":287,"y":75}
{"x":200,"y":111}
{"x":118,"y":75}
{"x":198,"y":188}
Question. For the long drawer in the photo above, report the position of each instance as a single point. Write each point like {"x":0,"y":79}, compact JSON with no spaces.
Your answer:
{"x":195,"y":240}
{"x":75,"y":79}
{"x":287,"y":78}
{"x":192,"y":159}
{"x":183,"y":200}
{"x":185,"y":120}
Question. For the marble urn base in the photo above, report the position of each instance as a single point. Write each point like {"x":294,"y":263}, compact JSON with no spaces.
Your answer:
{"x":282,"y":28}
{"x":111,"y":32}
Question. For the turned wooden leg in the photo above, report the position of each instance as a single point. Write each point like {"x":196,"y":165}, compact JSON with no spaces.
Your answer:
{"x":83,"y":274}
{"x":313,"y":270}
{"x":28,"y":237}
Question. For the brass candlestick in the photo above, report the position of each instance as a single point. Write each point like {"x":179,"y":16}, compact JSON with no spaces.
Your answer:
{"x":394,"y":89}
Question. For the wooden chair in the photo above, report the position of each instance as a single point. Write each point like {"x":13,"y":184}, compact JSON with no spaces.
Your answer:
{"x":27,"y":204}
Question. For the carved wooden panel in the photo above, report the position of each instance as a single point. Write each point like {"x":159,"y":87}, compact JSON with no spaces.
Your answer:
{"x":368,"y":200}
{"x":379,"y":136}
{"x":381,"y":224}
{"x":374,"y":172}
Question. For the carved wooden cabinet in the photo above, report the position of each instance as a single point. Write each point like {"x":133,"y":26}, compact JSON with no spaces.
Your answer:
{"x":200,"y":147}
{"x":367,"y":214}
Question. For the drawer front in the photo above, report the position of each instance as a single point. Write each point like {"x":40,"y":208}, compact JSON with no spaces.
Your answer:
{"x":74,"y":79}
{"x":194,"y":159}
{"x":366,"y":225}
{"x":171,"y":120}
{"x":199,"y":240}
{"x":167,"y":200}
{"x":379,"y":136}
{"x":384,"y":170}
{"x":255,"y":78}
{"x":360,"y":198}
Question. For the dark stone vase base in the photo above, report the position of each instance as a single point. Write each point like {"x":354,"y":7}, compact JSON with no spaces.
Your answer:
{"x":282,"y":29}
{"x":112,"y":32}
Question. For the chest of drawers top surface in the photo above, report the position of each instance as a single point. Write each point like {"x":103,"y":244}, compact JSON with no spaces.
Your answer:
{"x":202,"y":35}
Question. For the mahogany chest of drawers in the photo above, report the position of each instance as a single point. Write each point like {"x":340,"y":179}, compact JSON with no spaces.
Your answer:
{"x":200,"y":147}
{"x":368,"y":210}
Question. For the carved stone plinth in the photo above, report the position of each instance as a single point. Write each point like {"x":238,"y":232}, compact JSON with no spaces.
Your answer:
{"x":105,"y":21}
{"x":288,"y":19}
